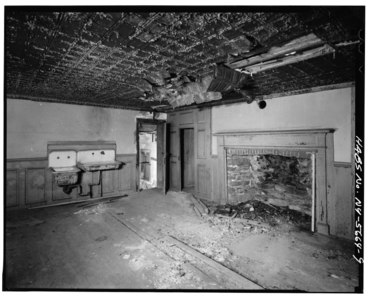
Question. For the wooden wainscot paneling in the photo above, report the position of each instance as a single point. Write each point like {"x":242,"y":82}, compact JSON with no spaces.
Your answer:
{"x":35,"y":186}
{"x":109,"y":179}
{"x":126,"y":174}
{"x":30,"y":183}
{"x":341,"y":218}
{"x":125,"y":178}
{"x":58,"y":195}
{"x":11,"y":198}
{"x":204,"y":181}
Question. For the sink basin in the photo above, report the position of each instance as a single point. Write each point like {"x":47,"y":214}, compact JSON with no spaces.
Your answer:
{"x":99,"y":166}
{"x":66,"y":175}
{"x":63,"y":165}
{"x":66,"y":169}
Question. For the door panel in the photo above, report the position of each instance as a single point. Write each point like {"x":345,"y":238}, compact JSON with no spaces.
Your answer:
{"x":188,"y":158}
{"x":163,"y":148}
{"x":202,"y":149}
{"x":166,"y":158}
{"x":175,"y":183}
{"x":35,"y":181}
{"x":160,"y":155}
{"x":201,"y":145}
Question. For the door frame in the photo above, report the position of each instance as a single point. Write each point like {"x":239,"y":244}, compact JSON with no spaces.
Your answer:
{"x":138,"y":122}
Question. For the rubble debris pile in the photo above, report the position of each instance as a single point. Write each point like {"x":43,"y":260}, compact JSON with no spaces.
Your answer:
{"x":261,"y":212}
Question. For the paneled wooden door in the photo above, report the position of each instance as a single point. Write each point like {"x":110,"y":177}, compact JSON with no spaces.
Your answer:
{"x":188,"y":157}
{"x":163,"y":156}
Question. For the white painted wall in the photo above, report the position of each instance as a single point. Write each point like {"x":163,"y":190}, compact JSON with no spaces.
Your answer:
{"x":326,"y":109}
{"x":30,"y":125}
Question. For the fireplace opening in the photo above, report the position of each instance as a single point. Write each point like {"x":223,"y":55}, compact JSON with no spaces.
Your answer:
{"x":271,"y":187}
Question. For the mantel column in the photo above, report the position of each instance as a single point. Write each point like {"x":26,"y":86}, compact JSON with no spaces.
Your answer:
{"x":321,"y":193}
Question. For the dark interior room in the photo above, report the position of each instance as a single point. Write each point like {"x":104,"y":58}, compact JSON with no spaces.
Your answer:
{"x":183,"y":148}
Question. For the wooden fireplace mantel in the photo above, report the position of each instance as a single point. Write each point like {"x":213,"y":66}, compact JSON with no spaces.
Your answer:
{"x":318,"y":142}
{"x":261,"y":132}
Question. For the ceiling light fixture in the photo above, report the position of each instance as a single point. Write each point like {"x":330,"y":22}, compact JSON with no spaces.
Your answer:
{"x":262,"y":104}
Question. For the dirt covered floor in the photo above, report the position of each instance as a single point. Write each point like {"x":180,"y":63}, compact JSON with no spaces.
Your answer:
{"x":150,"y":241}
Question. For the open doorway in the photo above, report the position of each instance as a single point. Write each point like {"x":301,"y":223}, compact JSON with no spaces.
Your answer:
{"x":151,"y":152}
{"x":148,"y":159}
{"x":187,"y":160}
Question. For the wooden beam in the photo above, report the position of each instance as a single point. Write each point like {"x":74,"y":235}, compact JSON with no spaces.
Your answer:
{"x":229,"y":274}
{"x":309,"y":54}
{"x":236,"y":280}
{"x":298,"y":44}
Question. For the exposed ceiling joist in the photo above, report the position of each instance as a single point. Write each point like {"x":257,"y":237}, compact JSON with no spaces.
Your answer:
{"x":298,"y":44}
{"x":294,"y":57}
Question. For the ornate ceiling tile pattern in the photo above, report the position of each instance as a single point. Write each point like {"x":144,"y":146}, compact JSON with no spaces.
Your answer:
{"x":122,"y":59}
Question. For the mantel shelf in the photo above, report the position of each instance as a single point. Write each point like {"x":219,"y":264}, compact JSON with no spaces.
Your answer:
{"x":260,"y":132}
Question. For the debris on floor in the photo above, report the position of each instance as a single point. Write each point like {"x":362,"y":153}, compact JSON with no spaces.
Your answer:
{"x":261,"y":212}
{"x":144,"y":184}
{"x":250,"y":239}
{"x":198,"y":206}
{"x":93,"y":210}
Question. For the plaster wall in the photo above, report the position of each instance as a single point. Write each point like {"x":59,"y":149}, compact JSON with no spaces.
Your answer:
{"x":326,"y":109}
{"x":30,"y":125}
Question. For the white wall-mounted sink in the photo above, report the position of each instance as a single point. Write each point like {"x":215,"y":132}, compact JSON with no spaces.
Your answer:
{"x":99,"y":166}
{"x":81,"y":163}
{"x":96,"y":155}
{"x":67,"y":176}
{"x":72,"y":169}
{"x":97,"y":160}
{"x":63,"y":165}
{"x":62,"y":159}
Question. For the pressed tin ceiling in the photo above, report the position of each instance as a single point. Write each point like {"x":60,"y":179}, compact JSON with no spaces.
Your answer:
{"x":161,"y":58}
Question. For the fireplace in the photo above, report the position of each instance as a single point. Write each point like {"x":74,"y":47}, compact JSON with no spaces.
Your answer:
{"x":291,"y":169}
